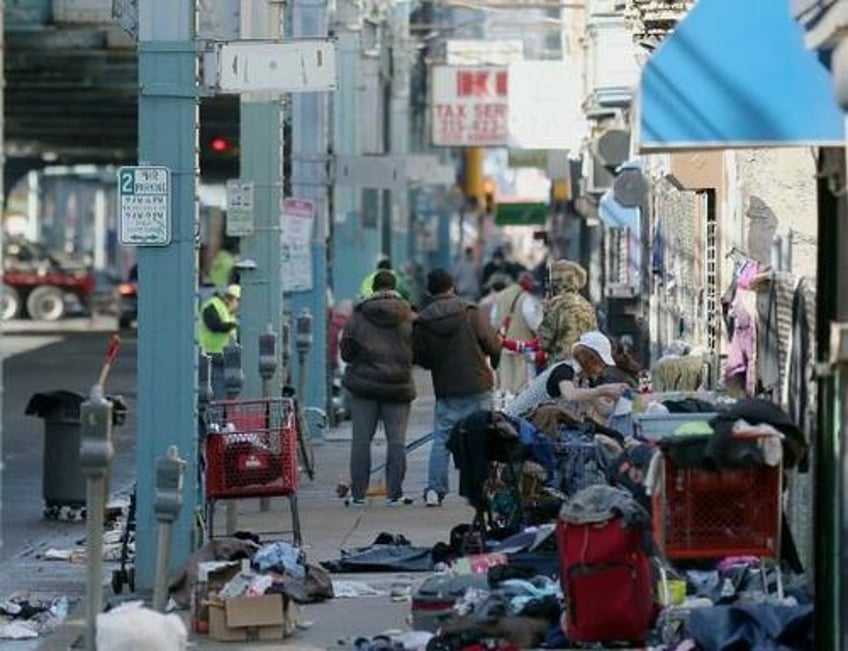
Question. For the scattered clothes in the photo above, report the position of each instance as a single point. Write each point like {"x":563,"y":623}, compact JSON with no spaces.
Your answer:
{"x":601,"y":503}
{"x":131,"y":626}
{"x":280,"y":557}
{"x":17,"y":631}
{"x":355,"y":589}
{"x":776,"y":628}
{"x":383,"y":558}
{"x":315,"y":587}
{"x":688,"y":406}
{"x":220,"y":549}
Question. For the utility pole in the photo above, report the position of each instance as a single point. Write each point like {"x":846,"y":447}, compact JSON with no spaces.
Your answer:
{"x":351,"y":246}
{"x":261,"y":137}
{"x":399,"y":124}
{"x":310,"y":180}
{"x":167,"y":360}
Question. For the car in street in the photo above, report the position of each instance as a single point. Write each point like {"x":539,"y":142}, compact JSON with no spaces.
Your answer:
{"x":42,"y":284}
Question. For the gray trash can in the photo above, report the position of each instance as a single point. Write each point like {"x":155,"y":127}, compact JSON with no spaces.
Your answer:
{"x":62,"y":482}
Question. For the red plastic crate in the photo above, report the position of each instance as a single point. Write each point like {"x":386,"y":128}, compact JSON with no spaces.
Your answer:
{"x":254,"y":451}
{"x":703,"y":514}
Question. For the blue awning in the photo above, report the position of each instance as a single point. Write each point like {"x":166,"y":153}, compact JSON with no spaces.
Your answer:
{"x":736,"y":73}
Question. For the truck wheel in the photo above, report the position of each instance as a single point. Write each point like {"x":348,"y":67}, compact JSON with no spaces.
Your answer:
{"x":46,"y":303}
{"x":10,"y":303}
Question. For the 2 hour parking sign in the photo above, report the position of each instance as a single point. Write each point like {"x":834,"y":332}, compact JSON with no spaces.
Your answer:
{"x":144,"y":205}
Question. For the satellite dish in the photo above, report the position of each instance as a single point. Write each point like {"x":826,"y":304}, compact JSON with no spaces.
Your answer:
{"x":629,"y":188}
{"x":613,"y":148}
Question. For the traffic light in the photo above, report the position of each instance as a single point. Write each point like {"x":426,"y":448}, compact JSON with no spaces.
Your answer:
{"x":221,"y":145}
{"x":489,"y":197}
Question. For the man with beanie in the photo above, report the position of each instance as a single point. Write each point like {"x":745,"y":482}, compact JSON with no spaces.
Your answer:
{"x":456,"y":342}
{"x":568,"y":314}
{"x":377,"y":345}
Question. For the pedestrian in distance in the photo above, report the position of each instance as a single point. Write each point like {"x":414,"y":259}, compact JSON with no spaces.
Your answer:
{"x":456,"y":342}
{"x":567,"y":314}
{"x":465,"y":275}
{"x":377,"y":347}
{"x":366,"y":288}
{"x":217,"y":328}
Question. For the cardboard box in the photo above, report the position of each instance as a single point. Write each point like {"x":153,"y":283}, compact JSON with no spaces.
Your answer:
{"x":249,"y":619}
{"x":211,"y":577}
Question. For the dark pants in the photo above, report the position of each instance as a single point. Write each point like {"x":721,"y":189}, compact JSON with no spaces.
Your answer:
{"x":366,"y":414}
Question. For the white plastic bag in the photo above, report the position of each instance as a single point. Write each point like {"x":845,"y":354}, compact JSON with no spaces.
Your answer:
{"x":131,"y":627}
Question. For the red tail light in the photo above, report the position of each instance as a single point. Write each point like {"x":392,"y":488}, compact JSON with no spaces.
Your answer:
{"x":126,"y":289}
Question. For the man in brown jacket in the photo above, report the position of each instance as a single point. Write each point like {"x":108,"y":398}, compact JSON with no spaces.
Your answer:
{"x":377,"y":346}
{"x":458,"y":345}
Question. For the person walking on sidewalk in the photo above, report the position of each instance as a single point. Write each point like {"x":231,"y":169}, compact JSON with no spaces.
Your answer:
{"x":376,"y":344}
{"x":456,"y":342}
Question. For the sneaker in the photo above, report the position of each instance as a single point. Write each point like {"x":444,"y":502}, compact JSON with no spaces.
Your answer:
{"x":431,"y":498}
{"x":403,"y":500}
{"x":357,"y":503}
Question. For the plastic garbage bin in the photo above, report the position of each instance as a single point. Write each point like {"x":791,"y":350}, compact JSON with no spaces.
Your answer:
{"x":62,"y":482}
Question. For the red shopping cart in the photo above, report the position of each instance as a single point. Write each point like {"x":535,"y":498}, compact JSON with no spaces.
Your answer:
{"x":702,"y":514}
{"x":251,"y":451}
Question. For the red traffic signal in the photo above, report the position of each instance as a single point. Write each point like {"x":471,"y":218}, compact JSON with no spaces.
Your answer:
{"x":220,"y":145}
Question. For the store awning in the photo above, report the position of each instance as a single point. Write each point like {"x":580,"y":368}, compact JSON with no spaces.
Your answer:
{"x":736,"y":73}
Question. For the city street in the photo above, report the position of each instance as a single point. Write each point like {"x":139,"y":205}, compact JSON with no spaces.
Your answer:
{"x":57,"y":357}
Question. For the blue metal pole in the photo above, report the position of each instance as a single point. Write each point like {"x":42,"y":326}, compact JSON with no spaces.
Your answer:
{"x":261,"y":137}
{"x":167,"y":352}
{"x":310,"y":158}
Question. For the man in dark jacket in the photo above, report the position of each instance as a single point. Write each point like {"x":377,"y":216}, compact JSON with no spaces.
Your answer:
{"x":377,"y":346}
{"x":457,"y":344}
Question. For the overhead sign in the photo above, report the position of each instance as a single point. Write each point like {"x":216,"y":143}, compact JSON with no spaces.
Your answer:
{"x":470,"y":106}
{"x":298,"y":216}
{"x":371,"y":171}
{"x":144,"y":206}
{"x":239,"y":208}
{"x":258,"y":66}
{"x":521,"y":214}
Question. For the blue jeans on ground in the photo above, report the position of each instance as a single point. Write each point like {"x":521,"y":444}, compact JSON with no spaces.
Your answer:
{"x":447,"y":413}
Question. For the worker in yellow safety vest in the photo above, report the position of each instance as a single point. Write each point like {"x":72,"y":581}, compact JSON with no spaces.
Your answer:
{"x":217,"y":324}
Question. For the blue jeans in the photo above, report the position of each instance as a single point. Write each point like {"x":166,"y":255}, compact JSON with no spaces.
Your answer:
{"x":448,"y":412}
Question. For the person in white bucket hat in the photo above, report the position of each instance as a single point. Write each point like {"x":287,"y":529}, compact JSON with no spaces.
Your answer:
{"x":575,"y":385}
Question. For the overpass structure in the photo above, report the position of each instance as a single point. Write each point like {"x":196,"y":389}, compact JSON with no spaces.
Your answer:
{"x":72,"y":92}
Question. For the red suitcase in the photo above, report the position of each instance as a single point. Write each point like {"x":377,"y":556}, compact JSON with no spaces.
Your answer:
{"x":607,"y":581}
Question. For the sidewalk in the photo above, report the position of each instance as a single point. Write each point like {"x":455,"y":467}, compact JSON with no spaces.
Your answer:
{"x":329,"y":526}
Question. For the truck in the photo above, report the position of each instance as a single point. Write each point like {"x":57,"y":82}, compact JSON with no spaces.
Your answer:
{"x":39,"y":283}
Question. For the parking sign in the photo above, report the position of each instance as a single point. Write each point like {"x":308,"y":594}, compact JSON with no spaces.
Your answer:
{"x":144,"y":206}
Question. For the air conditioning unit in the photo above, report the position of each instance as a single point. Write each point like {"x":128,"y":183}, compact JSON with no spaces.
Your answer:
{"x":597,"y":179}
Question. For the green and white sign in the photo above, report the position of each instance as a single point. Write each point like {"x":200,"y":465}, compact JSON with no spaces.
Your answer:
{"x":144,"y":206}
{"x":239,"y":208}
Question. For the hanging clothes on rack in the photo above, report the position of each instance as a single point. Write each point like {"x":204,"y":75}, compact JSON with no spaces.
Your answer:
{"x":775,"y":294}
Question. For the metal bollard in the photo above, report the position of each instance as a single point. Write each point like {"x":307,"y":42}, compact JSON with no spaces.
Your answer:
{"x":267,"y":368}
{"x":233,"y":384}
{"x":233,"y":374}
{"x":95,"y":457}
{"x":170,"y":472}
{"x":304,"y":340}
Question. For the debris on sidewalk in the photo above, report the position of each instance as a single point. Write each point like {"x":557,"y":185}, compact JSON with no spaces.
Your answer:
{"x":24,"y":618}
{"x":388,"y":553}
{"x":355,"y":589}
{"x":132,"y":626}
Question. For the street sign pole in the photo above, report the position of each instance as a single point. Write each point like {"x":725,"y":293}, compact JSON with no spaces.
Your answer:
{"x":167,"y":265}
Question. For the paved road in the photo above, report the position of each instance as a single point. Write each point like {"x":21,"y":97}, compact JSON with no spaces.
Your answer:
{"x":49,"y":361}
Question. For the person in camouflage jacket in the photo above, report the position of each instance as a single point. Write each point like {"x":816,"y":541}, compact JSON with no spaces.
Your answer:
{"x":567,"y":314}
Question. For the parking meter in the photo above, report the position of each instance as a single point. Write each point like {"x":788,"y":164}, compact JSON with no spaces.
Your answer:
{"x":167,"y":504}
{"x":204,"y":379}
{"x":95,"y":456}
{"x":233,"y":374}
{"x":303,"y":332}
{"x":267,"y":354}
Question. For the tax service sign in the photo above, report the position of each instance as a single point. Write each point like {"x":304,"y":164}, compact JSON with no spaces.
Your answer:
{"x":470,"y":106}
